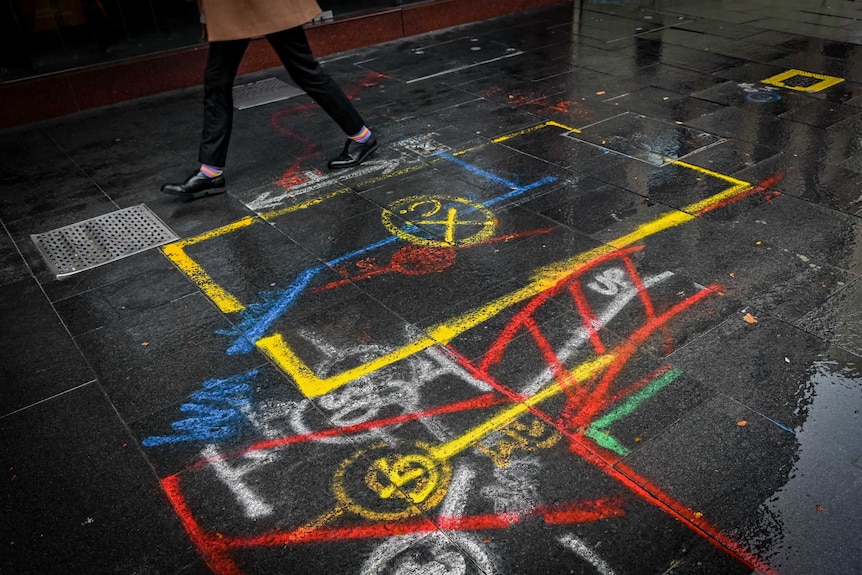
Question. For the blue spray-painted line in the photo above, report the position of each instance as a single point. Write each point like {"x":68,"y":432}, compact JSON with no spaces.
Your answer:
{"x":253,"y":326}
{"x":784,"y":427}
{"x":519,"y":191}
{"x":217,"y":412}
{"x":478,"y":171}
{"x":259,"y":317}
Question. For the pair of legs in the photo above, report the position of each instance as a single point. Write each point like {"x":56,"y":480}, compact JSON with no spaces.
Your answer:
{"x":222,"y":64}
{"x":293,"y":50}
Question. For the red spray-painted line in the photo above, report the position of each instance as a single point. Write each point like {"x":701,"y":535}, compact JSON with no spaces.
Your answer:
{"x":212,"y":551}
{"x":639,"y":286}
{"x":480,"y":402}
{"x":651,"y":493}
{"x":761,"y":187}
{"x":394,"y":268}
{"x":496,"y":350}
{"x":589,"y":319}
{"x":289,"y":178}
{"x":589,"y":402}
{"x":561,"y":514}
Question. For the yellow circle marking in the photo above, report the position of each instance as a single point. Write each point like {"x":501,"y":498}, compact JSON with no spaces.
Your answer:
{"x":417,"y":479}
{"x":449,"y":212}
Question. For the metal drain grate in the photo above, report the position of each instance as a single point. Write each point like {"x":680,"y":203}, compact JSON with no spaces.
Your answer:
{"x":263,"y":92}
{"x":85,"y":245}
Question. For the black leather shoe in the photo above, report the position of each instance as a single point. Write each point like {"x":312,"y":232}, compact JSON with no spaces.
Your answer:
{"x":197,"y":185}
{"x":353,"y":154}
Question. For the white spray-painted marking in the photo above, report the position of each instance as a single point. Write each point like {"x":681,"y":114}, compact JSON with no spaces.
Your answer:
{"x":581,"y":335}
{"x":316,"y":181}
{"x":232,"y":476}
{"x":516,"y":486}
{"x":393,"y":390}
{"x":584,"y":552}
{"x":444,"y":551}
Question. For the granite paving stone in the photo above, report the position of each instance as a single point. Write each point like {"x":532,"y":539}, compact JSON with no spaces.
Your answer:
{"x":593,"y":306}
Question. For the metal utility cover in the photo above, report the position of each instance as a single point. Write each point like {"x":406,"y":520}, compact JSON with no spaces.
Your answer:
{"x":263,"y":92}
{"x":103,"y":239}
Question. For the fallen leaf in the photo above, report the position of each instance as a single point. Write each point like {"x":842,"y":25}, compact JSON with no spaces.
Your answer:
{"x":750,"y":318}
{"x":758,"y":243}
{"x":742,"y":423}
{"x":731,"y":275}
{"x":698,"y":514}
{"x":820,"y":509}
{"x":600,"y":93}
{"x":145,"y":343}
{"x":638,"y":439}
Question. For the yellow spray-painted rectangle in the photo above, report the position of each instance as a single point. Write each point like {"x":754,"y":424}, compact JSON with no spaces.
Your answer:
{"x":544,"y":278}
{"x":781,"y":79}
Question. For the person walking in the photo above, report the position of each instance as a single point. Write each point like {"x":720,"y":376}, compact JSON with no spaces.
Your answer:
{"x":229,"y":25}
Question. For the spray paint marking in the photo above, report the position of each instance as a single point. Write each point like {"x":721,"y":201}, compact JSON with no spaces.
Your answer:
{"x":584,"y":551}
{"x":216,"y":547}
{"x":565,"y":383}
{"x":218,"y":408}
{"x":597,"y":429}
{"x":781,"y":79}
{"x":290,"y":176}
{"x":414,"y":260}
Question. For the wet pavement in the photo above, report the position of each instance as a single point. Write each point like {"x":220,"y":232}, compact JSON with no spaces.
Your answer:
{"x":594,"y":307}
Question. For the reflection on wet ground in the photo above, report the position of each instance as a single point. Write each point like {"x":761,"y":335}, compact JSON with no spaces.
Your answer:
{"x":594,"y":307}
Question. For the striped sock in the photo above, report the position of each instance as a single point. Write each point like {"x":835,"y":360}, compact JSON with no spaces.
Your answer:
{"x":363,"y":136}
{"x":211,"y":171}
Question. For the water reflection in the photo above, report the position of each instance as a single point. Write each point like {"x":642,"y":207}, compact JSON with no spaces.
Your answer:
{"x":820,"y":503}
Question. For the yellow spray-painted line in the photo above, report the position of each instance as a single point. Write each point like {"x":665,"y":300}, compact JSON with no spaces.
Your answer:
{"x":175,"y":252}
{"x":225,"y":301}
{"x":272,"y":214}
{"x":544,"y":278}
{"x":505,"y":417}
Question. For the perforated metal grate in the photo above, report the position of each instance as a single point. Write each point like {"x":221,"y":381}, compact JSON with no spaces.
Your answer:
{"x":263,"y":92}
{"x":103,"y":239}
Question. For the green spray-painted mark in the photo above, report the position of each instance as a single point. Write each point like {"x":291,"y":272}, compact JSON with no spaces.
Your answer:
{"x":597,"y":430}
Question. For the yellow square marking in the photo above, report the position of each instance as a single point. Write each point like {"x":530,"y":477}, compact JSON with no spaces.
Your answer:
{"x":825,"y":81}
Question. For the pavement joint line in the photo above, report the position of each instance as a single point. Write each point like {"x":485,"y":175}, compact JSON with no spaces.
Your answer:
{"x":43,"y":400}
{"x":465,"y":67}
{"x":652,"y":31}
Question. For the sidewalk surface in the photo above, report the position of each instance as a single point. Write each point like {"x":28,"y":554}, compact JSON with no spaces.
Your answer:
{"x":594,"y":307}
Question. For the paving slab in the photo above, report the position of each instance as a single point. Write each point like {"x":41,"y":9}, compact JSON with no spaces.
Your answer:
{"x":592,"y":307}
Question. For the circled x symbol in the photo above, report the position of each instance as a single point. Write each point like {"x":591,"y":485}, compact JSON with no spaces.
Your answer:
{"x":451,"y":220}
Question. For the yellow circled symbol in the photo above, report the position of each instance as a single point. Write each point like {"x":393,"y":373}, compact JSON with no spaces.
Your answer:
{"x":460,"y":221}
{"x":404,"y":485}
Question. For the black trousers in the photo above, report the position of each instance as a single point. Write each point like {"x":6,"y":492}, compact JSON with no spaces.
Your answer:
{"x":293,"y":50}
